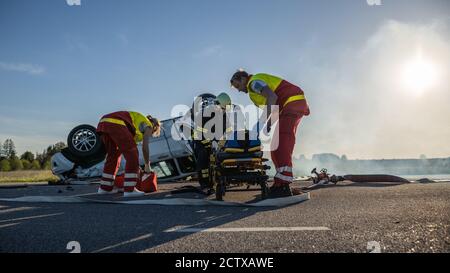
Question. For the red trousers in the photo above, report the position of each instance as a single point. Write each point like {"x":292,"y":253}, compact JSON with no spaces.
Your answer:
{"x":119,"y":141}
{"x":283,"y":146}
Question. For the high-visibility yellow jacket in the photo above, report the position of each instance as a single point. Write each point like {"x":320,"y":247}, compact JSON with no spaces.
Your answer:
{"x":134,"y":121}
{"x":285,"y":91}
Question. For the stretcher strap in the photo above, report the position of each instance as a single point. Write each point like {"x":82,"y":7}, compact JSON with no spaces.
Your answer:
{"x":234,"y":150}
{"x":250,"y":160}
{"x":255,"y":149}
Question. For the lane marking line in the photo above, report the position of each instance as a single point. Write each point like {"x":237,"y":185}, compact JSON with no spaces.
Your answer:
{"x":143,"y":237}
{"x":3,"y":211}
{"x":9,"y":225}
{"x":246,"y":229}
{"x":31,"y":217}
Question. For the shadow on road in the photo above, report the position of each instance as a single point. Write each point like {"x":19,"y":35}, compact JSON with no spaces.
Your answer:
{"x":49,"y":227}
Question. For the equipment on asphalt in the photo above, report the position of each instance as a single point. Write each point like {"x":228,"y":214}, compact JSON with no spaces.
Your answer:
{"x":238,"y":162}
{"x":324,"y":178}
{"x":147,"y":182}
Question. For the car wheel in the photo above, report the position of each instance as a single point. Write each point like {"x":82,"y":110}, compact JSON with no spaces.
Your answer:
{"x":83,"y":141}
{"x":203,"y":100}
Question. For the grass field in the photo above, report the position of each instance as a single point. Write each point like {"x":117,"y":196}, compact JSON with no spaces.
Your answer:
{"x":27,"y":176}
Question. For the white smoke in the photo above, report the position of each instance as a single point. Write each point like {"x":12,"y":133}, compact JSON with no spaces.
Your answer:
{"x":360,"y":106}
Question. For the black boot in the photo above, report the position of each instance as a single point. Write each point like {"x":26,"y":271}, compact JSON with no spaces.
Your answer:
{"x":280,"y":191}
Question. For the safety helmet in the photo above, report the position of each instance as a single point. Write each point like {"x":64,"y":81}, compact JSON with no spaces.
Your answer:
{"x":223,"y":100}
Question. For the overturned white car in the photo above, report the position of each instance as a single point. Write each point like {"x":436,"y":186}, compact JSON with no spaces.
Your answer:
{"x":85,"y":155}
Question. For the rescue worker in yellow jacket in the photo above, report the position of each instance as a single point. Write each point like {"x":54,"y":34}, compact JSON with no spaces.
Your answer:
{"x":268,"y":90}
{"x":120,"y":133}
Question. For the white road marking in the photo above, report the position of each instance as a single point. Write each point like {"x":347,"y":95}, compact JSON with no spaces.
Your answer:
{"x":15,"y":209}
{"x":246,"y":229}
{"x":31,"y":217}
{"x":9,"y":225}
{"x":124,"y":243}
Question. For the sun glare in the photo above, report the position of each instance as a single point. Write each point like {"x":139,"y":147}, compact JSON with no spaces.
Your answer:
{"x":419,"y":75}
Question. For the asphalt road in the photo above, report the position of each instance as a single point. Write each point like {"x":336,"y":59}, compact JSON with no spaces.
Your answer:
{"x":343,"y":218}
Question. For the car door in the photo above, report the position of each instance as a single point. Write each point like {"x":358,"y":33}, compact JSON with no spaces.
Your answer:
{"x":177,"y":147}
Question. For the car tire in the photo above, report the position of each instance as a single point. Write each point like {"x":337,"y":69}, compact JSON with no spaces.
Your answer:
{"x":202,"y":98}
{"x":84,"y":142}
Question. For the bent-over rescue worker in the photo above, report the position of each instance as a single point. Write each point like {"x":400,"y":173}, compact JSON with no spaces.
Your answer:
{"x":120,"y":132}
{"x":268,"y":90}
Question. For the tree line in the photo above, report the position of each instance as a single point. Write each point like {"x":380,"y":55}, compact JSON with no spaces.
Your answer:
{"x":11,"y":161}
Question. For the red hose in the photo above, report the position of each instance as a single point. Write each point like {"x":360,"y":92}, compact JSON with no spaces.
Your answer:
{"x":368,"y":178}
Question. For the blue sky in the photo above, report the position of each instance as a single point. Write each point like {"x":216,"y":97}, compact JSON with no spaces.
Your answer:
{"x":63,"y":65}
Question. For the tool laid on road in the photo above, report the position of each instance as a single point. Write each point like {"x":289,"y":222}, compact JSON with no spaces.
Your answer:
{"x":324,"y":178}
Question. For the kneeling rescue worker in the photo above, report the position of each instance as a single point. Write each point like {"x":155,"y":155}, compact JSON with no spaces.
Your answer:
{"x":120,"y":133}
{"x":268,"y":90}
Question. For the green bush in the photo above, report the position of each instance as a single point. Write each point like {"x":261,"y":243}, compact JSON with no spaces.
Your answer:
{"x":5,"y":166}
{"x":16,"y":164}
{"x":47,"y":165}
{"x":26,"y":164}
{"x":35,"y":165}
{"x":28,"y":156}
